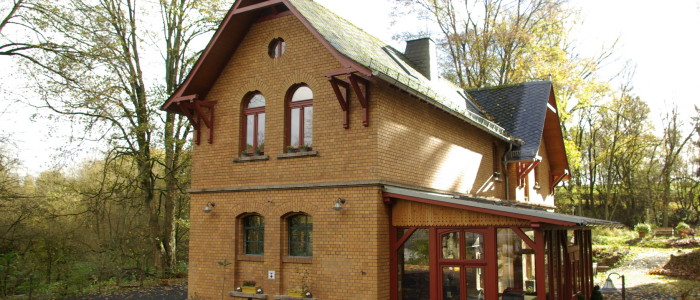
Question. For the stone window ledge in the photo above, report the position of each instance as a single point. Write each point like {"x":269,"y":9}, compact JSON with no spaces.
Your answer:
{"x":297,"y":259}
{"x":286,"y":297}
{"x":297,"y":154}
{"x":251,"y":158}
{"x":247,"y":257}
{"x":247,"y":295}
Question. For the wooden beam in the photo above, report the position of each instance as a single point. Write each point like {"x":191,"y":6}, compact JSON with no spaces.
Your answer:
{"x":343,"y":100}
{"x":556,"y":177}
{"x":523,"y":236}
{"x":362,"y":95}
{"x":540,"y":272}
{"x":252,"y":7}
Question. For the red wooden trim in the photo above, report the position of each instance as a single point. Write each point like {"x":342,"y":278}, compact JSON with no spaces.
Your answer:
{"x":435,"y":272}
{"x":393,"y":263}
{"x":240,"y":10}
{"x":491,"y":269}
{"x":274,"y":16}
{"x":481,"y":210}
{"x":564,"y":244}
{"x":523,"y":236}
{"x":362,"y":95}
{"x":555,"y":179}
{"x":342,"y":100}
{"x":524,"y":168}
{"x":540,"y":273}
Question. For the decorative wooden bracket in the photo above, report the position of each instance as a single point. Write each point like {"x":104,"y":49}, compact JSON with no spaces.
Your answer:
{"x":362,"y":95}
{"x":360,"y":86}
{"x":524,"y":237}
{"x":193,"y":110}
{"x":524,"y":168}
{"x":556,"y":177}
{"x":343,"y":99}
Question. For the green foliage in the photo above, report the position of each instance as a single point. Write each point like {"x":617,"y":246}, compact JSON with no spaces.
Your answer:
{"x":642,"y":228}
{"x":612,"y":236}
{"x":611,"y":256}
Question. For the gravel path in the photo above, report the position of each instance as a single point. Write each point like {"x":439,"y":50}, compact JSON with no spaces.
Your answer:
{"x":173,"y":292}
{"x":640,"y":285}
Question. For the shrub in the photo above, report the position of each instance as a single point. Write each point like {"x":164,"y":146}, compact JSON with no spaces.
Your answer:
{"x":684,"y":229}
{"x":642,"y":228}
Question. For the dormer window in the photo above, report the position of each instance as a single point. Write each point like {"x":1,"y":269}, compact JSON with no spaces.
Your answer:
{"x":254,"y":124}
{"x":276,"y":48}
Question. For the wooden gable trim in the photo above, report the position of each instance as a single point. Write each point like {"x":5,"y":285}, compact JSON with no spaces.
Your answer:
{"x":226,"y":40}
{"x":555,"y":178}
{"x":193,"y":109}
{"x":251,"y":7}
{"x":360,"y":86}
{"x":524,"y":168}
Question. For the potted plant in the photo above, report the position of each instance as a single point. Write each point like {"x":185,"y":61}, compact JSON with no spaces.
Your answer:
{"x":643,"y":229}
{"x":290,"y":149}
{"x":244,"y":153}
{"x":257,"y":151}
{"x":249,"y":287}
{"x":304,"y":148}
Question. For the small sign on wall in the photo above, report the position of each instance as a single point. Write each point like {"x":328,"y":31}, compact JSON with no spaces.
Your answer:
{"x":270,"y":274}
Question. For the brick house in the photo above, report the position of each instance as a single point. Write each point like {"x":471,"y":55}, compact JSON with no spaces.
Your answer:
{"x":330,"y":162}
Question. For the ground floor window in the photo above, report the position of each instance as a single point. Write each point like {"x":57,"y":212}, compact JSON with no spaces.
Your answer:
{"x":489,"y":263}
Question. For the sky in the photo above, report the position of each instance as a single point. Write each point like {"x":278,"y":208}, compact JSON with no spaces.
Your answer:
{"x":661,"y":38}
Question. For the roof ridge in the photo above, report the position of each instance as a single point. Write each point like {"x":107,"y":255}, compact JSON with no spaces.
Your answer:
{"x":498,"y":87}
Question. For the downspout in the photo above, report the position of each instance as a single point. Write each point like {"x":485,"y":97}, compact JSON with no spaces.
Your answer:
{"x":505,"y":169}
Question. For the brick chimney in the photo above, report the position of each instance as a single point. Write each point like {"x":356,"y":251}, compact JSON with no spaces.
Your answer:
{"x":423,"y":54}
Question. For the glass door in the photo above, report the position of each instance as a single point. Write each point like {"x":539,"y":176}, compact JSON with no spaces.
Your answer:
{"x":461,"y":264}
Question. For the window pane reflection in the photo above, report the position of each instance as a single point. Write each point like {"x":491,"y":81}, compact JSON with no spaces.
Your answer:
{"x":450,"y":283}
{"x":261,"y":131}
{"x":414,"y":268}
{"x":475,"y":283}
{"x":450,"y":245}
{"x":308,"y":125}
{"x":516,"y":262}
{"x":294,"y":137}
{"x":250,"y":132}
{"x":474,"y":245}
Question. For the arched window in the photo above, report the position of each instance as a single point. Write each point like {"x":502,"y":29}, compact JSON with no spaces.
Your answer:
{"x":301,"y":115}
{"x":276,"y":48}
{"x":300,"y":232}
{"x":253,"y":235}
{"x":254,"y":124}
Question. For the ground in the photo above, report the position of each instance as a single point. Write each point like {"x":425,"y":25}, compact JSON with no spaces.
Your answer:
{"x":641,"y":285}
{"x":176,"y":291}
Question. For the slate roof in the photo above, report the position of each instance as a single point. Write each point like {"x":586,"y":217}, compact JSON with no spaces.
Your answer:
{"x":392,"y":66}
{"x":520,"y":109}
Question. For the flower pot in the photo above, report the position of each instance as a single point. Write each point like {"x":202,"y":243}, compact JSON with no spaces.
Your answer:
{"x":249,"y":289}
{"x":642,"y":234}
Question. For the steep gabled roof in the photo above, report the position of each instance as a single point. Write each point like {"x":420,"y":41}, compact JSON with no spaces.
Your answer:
{"x":354,"y":48}
{"x":520,"y":109}
{"x":528,"y":111}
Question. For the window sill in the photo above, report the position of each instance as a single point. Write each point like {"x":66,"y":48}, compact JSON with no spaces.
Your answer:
{"x":247,"y":295}
{"x":251,"y":158}
{"x":297,"y":259}
{"x":286,"y":297}
{"x":248,"y":257}
{"x":297,"y":154}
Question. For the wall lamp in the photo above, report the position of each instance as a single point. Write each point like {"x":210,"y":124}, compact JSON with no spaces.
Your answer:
{"x":209,"y":207}
{"x":338,"y":204}
{"x":609,"y":287}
